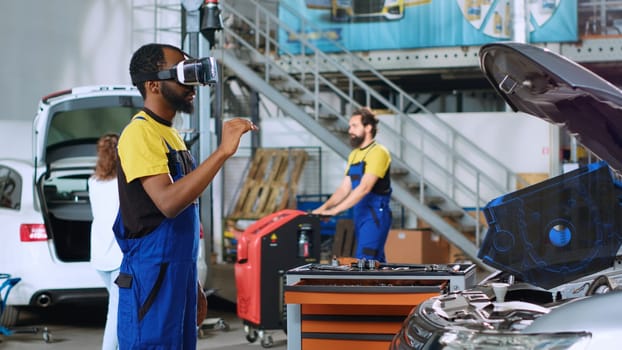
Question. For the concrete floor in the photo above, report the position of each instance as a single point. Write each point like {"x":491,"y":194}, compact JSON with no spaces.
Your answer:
{"x":81,"y":328}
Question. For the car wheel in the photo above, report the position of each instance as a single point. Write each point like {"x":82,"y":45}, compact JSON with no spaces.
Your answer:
{"x":9,"y":316}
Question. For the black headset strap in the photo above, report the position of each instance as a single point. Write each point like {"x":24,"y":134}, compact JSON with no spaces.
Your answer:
{"x":161,"y":75}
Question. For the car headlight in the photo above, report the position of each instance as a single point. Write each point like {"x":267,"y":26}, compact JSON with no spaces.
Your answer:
{"x":468,"y":340}
{"x":414,"y":333}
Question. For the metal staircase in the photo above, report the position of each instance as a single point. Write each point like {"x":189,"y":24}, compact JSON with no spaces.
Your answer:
{"x":433,"y":176}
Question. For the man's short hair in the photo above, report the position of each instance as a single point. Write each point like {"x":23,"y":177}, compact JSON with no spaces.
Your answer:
{"x":149,"y":58}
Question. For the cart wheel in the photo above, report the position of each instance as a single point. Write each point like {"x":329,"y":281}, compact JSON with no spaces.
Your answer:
{"x":251,"y":337}
{"x":222,"y":325}
{"x":267,"y":341}
{"x":251,"y":334}
{"x":47,"y":335}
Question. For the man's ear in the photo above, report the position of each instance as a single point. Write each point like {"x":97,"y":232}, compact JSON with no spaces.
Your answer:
{"x":153,"y":86}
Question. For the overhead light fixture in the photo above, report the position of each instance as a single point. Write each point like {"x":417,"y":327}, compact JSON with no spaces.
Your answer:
{"x":211,"y":20}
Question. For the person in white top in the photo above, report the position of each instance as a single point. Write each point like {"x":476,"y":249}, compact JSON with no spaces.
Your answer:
{"x":106,"y":255}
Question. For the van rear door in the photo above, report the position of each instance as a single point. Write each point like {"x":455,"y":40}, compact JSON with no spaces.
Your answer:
{"x":67,"y":128}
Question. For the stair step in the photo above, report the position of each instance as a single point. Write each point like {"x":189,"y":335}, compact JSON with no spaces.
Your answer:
{"x":291,"y":90}
{"x":414,"y":186}
{"x":328,"y":117}
{"x":396,"y":171}
{"x":256,"y":66}
{"x":275,"y":78}
{"x":337,"y":129}
{"x":454,"y":214}
{"x":303,"y":102}
{"x":467,"y":229}
{"x":433,"y":200}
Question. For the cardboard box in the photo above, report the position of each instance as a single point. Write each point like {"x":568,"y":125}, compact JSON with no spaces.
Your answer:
{"x":408,"y":246}
{"x":456,"y":254}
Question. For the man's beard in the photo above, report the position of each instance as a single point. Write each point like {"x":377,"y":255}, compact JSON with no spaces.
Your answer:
{"x":356,"y":141}
{"x":176,"y":100}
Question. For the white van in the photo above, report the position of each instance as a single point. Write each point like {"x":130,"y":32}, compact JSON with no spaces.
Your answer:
{"x":45,"y":213}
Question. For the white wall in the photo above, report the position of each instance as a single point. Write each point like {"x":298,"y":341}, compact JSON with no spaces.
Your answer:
{"x":518,"y":140}
{"x":16,"y":139}
{"x":53,"y":45}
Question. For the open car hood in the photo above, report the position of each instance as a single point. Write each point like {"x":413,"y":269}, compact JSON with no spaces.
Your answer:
{"x":568,"y":226}
{"x":546,"y":85}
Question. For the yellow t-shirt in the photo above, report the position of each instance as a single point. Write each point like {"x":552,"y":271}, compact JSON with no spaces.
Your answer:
{"x":142,"y":147}
{"x":377,"y":159}
{"x":144,"y":151}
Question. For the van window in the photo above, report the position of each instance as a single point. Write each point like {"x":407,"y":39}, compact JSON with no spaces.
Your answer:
{"x":88,"y":123}
{"x":67,"y":188}
{"x":11,"y":188}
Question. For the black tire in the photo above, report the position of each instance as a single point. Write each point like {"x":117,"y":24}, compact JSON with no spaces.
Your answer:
{"x":251,"y":337}
{"x":10,"y":316}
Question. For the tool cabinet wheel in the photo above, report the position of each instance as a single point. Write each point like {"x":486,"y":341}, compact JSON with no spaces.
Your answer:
{"x":223,"y":325}
{"x":251,"y":334}
{"x":267,"y":341}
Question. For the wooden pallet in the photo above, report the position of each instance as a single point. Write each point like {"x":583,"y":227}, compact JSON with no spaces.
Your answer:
{"x":344,"y":243}
{"x":271,"y":182}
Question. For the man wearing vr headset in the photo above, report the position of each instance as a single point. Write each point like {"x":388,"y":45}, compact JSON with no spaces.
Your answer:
{"x":158,"y":222}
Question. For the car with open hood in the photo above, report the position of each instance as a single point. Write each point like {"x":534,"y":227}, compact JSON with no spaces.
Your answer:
{"x":45,"y":210}
{"x":555,"y":245}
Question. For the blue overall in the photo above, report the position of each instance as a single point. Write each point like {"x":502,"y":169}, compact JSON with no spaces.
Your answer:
{"x":158,"y":281}
{"x":372,"y":219}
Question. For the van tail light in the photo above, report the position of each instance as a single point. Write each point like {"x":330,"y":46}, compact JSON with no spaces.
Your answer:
{"x":201,"y":231}
{"x":32,"y":233}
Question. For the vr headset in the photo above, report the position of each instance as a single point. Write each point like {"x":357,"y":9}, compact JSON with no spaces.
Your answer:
{"x":194,"y":72}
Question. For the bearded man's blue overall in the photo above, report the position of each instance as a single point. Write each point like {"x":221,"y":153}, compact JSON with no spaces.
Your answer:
{"x":372,"y":218}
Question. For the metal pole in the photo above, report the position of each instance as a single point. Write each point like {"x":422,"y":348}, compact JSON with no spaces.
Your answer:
{"x":520,"y":18}
{"x":190,"y":31}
